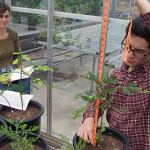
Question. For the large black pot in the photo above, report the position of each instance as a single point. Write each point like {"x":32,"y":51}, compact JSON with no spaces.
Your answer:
{"x":40,"y":142}
{"x":109,"y":131}
{"x":4,"y":124}
{"x":34,"y":121}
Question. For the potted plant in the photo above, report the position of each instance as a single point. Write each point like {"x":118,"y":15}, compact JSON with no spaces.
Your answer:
{"x":32,"y":115}
{"x":103,"y":88}
{"x":22,"y":138}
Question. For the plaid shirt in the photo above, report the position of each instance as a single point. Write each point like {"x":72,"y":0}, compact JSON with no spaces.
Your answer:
{"x":146,"y":18}
{"x":135,"y":123}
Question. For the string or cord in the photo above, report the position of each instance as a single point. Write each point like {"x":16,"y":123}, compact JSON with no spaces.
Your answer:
{"x":8,"y":104}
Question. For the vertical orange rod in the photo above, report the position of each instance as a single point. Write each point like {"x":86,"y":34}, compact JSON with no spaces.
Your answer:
{"x":127,"y":40}
{"x":101,"y":62}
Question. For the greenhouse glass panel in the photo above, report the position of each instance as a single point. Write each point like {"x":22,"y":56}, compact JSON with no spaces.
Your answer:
{"x":29,"y":27}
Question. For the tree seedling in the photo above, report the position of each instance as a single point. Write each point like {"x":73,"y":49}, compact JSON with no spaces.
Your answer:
{"x":19,"y":137}
{"x":20,"y":87}
{"x":103,"y":89}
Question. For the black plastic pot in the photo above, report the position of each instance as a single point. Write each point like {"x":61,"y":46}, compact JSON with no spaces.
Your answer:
{"x":34,"y":121}
{"x":40,"y":142}
{"x":109,"y":131}
{"x":4,"y":124}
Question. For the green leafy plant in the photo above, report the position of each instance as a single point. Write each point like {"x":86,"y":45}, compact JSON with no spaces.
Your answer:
{"x":90,"y":7}
{"x":102,"y":89}
{"x":33,"y":19}
{"x":33,"y":80}
{"x":65,"y":38}
{"x":19,"y":137}
{"x":80,"y":146}
{"x":100,"y":132}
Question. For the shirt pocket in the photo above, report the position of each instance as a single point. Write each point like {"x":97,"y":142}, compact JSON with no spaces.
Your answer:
{"x":137,"y":101}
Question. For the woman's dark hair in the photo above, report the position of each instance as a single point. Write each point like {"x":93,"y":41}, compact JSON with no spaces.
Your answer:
{"x":140,"y":29}
{"x":4,"y":7}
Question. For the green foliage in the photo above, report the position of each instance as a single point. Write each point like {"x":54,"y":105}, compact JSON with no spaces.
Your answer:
{"x":80,"y":146}
{"x":103,"y":89}
{"x":66,"y":142}
{"x":19,"y":138}
{"x":35,"y":4}
{"x":90,"y":7}
{"x":65,"y":38}
{"x":78,"y":112}
{"x":40,"y":68}
{"x":3,"y":78}
{"x":20,"y":88}
{"x":100,"y":132}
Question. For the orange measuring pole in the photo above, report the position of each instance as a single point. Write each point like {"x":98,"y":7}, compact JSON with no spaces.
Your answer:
{"x":104,"y":33}
{"x":127,"y":40}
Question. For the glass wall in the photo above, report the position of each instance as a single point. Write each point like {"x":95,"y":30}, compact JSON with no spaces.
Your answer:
{"x":30,"y":25}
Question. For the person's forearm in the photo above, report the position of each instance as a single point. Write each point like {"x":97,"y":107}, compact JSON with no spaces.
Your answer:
{"x":143,"y":6}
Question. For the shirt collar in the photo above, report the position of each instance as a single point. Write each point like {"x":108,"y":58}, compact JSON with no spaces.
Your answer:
{"x":143,"y":68}
{"x":147,"y":66}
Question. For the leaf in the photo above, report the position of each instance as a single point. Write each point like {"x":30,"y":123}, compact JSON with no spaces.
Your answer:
{"x":26,"y":57}
{"x":127,"y":91}
{"x":15,"y":62}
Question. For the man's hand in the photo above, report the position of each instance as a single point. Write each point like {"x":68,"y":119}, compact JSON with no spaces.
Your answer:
{"x":86,"y":130}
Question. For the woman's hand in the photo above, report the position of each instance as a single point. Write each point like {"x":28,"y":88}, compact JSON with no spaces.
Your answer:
{"x":8,"y":80}
{"x":21,"y":66}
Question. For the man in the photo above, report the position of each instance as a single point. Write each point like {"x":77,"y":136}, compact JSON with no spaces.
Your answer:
{"x":135,"y":123}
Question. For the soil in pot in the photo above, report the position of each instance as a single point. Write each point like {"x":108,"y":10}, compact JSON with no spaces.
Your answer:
{"x":32,"y":115}
{"x":8,"y":147}
{"x":113,"y":140}
{"x":109,"y":143}
{"x":30,"y":112}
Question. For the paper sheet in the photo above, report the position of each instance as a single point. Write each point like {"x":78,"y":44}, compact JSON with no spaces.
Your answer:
{"x":14,"y":99}
{"x":16,"y":73}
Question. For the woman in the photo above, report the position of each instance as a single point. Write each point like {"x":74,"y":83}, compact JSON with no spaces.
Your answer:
{"x":9,"y":43}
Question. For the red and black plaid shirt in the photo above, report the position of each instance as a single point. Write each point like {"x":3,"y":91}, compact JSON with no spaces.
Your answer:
{"x":135,"y":123}
{"x":146,"y":18}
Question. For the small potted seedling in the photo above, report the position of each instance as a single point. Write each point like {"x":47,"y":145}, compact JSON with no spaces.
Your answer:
{"x":103,"y":89}
{"x":22,"y":138}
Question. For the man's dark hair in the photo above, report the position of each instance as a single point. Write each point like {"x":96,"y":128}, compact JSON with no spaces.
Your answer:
{"x":140,"y":29}
{"x":4,"y":7}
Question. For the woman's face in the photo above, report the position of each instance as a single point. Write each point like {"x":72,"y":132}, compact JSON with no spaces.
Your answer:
{"x":4,"y":19}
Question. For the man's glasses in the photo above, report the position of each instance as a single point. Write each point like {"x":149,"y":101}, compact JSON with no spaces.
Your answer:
{"x":139,"y":53}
